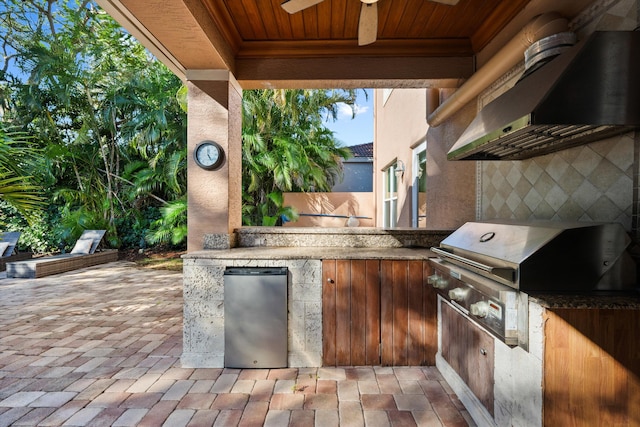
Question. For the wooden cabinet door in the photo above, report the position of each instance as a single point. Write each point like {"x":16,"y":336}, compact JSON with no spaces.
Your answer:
{"x":470,"y":352}
{"x":591,"y":368}
{"x":481,"y":366}
{"x":378,"y":313}
{"x":408,"y":314}
{"x":350,"y":312}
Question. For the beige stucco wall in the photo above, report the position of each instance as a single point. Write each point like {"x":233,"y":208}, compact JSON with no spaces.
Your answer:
{"x":214,"y":197}
{"x":343,"y":204}
{"x":400,"y":125}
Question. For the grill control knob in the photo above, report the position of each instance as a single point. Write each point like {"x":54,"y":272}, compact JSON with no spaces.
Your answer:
{"x":457,"y":294}
{"x":441,"y":283}
{"x":432,"y":279}
{"x":480,"y":309}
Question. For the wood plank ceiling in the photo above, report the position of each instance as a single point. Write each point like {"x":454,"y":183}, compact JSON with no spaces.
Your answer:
{"x":257,"y":28}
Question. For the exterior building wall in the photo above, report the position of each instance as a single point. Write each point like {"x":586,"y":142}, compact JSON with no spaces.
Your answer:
{"x":451,"y":186}
{"x":331,"y":209}
{"x":352,"y":196}
{"x":401,"y":125}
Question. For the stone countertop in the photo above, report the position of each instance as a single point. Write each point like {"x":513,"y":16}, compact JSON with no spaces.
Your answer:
{"x":347,"y":237}
{"x":550,"y":301}
{"x":577,"y":301}
{"x":284,"y":253}
{"x":374,"y":231}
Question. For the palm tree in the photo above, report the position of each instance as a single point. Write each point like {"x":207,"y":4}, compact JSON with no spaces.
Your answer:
{"x":111,"y":133}
{"x":287,"y":147}
{"x":103,"y":111}
{"x":16,"y":185}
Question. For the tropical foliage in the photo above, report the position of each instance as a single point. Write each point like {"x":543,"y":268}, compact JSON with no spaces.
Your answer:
{"x":287,"y":147}
{"x":16,"y":187}
{"x":100,"y":111}
{"x":95,"y":126}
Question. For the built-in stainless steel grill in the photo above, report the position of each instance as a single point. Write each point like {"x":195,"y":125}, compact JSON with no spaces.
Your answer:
{"x":487,"y":269}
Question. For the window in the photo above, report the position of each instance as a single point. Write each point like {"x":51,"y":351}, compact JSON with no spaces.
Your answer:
{"x":390,"y":198}
{"x":419,"y":187}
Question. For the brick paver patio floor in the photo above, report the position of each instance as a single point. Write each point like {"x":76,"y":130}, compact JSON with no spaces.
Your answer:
{"x":101,"y":347}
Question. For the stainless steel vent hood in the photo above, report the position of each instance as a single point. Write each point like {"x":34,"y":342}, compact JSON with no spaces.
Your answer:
{"x":588,"y":93}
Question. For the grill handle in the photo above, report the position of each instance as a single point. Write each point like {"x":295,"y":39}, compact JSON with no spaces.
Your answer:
{"x":502,"y":272}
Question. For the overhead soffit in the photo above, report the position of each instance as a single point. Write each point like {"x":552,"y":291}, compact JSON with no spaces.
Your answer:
{"x":262,"y":44}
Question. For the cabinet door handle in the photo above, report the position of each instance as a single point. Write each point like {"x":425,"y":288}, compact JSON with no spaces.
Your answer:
{"x":330,"y":280}
{"x":483,"y":352}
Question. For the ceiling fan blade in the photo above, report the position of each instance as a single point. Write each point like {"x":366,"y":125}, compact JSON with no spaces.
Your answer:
{"x":449,"y":2}
{"x":293,"y":6}
{"x":368,"y":25}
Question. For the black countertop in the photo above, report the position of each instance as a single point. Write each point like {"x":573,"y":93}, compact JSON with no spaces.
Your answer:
{"x":578,"y":301}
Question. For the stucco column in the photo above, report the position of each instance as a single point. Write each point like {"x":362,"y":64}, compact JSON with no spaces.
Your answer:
{"x":214,"y":197}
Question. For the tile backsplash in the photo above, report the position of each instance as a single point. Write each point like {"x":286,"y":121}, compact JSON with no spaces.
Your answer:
{"x":588,"y":183}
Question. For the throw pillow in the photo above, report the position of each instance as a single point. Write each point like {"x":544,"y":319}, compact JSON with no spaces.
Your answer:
{"x":82,"y":246}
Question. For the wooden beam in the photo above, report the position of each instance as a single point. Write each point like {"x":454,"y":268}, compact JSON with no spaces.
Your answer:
{"x":183,"y":28}
{"x":335,"y":48}
{"x":352,"y":72}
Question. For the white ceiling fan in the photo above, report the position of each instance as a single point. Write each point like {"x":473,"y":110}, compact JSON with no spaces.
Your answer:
{"x":368,"y":24}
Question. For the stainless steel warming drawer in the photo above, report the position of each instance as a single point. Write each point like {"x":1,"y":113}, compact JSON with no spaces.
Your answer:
{"x":255,"y":316}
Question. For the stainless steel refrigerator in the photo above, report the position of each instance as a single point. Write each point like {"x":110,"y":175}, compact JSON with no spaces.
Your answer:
{"x":255,"y":317}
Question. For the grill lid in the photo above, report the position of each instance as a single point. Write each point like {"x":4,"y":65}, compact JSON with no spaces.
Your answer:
{"x":545,"y":256}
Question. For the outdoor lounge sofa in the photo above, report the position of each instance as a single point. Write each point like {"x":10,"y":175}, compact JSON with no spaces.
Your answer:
{"x":82,"y":255}
{"x":8,"y":249}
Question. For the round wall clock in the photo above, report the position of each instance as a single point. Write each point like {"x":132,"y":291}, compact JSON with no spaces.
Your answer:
{"x":209,"y":155}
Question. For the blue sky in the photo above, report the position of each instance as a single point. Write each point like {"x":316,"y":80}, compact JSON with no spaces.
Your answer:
{"x":358,"y":130}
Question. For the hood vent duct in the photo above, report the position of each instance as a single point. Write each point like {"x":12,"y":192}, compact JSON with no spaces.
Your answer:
{"x":544,"y":50}
{"x":568,"y":96}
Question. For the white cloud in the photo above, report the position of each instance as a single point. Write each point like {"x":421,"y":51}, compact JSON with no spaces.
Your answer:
{"x":345,"y":112}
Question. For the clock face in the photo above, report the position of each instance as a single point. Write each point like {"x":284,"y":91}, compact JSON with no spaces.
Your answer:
{"x":209,"y":155}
